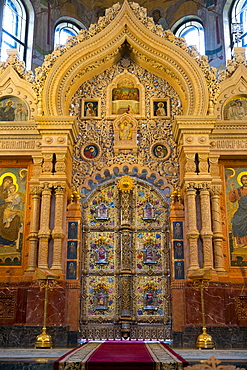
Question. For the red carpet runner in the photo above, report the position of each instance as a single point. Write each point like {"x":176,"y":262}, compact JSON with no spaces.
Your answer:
{"x":121,"y":355}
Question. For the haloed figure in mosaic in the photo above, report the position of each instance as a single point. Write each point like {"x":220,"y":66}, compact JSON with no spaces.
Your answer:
{"x":9,"y":211}
{"x":239,"y":219}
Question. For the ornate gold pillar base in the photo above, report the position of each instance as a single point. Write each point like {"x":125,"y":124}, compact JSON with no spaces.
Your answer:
{"x":204,"y":340}
{"x":43,"y":340}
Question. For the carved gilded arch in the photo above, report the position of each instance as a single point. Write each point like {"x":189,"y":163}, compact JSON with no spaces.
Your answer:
{"x":93,"y":51}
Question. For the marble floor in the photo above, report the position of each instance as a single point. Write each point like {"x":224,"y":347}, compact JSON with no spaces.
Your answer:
{"x":43,"y":359}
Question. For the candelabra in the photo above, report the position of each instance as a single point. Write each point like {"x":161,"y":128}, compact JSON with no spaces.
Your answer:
{"x":201,"y":280}
{"x":47,"y":282}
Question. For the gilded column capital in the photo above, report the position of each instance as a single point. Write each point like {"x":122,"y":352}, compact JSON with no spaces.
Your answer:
{"x":46,"y":188}
{"x":35,"y":190}
{"x":60,"y":188}
{"x":204,"y":187}
{"x":215,"y":190}
{"x":190,"y":187}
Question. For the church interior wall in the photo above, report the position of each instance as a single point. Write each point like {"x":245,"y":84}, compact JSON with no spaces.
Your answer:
{"x":175,"y":157}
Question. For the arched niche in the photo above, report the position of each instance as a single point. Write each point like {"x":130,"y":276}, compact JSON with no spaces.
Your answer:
{"x":232,"y":88}
{"x":147,"y":45}
{"x":16,"y":89}
{"x":235,"y":108}
{"x":125,"y":94}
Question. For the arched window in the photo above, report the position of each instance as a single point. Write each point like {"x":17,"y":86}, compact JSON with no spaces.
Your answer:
{"x":65,"y":29}
{"x":15,"y":31}
{"x":238,"y":21}
{"x":13,"y":28}
{"x":193,"y":32}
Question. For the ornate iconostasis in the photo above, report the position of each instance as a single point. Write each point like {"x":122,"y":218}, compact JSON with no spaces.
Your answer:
{"x":124,"y":184}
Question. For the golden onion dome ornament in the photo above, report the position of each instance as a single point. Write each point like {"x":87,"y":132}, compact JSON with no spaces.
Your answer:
{"x":126,"y":184}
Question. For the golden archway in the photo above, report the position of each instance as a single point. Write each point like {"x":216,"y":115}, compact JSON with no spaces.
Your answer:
{"x":124,"y":29}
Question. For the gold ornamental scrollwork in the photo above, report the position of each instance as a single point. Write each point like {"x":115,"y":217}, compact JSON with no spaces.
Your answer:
{"x":126,"y":184}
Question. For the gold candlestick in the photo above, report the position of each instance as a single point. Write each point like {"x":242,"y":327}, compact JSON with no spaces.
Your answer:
{"x":46,"y":281}
{"x":201,"y":280}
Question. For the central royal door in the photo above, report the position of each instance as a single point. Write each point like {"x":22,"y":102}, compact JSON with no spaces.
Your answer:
{"x":125,"y":290}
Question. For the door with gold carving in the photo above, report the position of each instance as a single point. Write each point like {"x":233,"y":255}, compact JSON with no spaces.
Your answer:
{"x":125,"y":283}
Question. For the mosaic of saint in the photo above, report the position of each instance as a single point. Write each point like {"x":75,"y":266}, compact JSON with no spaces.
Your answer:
{"x":125,"y":130}
{"x":90,"y":151}
{"x":90,"y":109}
{"x":12,"y":207}
{"x":179,"y":269}
{"x":13,"y":109}
{"x":236,"y":109}
{"x":236,"y":200}
{"x":160,"y":151}
{"x":125,"y":97}
{"x":160,"y":108}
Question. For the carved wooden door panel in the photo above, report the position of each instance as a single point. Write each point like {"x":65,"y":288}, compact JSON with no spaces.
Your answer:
{"x":125,"y":290}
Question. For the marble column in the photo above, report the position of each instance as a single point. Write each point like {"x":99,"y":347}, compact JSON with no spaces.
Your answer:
{"x":206,"y":230}
{"x":58,"y":232}
{"x":217,"y":229}
{"x":34,"y":228}
{"x":44,"y":232}
{"x":192,"y":233}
